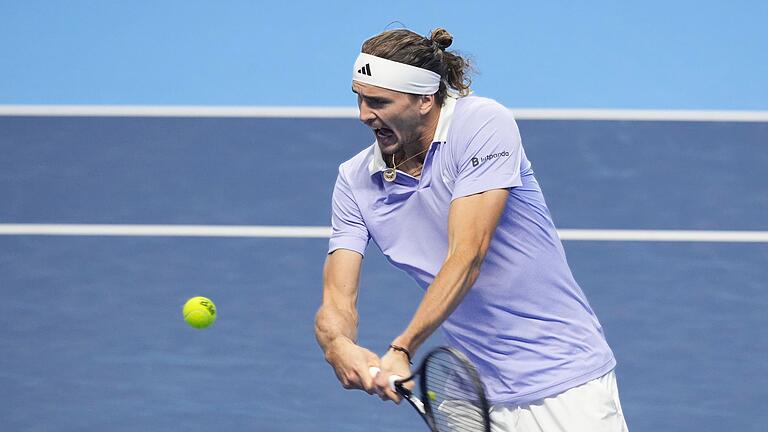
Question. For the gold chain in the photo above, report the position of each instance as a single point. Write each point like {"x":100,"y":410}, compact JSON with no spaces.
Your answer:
{"x":391,"y":173}
{"x":394,"y":167}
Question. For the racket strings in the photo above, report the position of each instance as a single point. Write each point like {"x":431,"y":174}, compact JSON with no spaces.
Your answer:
{"x":453,"y":395}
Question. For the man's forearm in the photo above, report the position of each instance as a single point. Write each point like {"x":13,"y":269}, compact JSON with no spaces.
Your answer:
{"x":451,"y":284}
{"x":472,"y":222}
{"x":332,"y":324}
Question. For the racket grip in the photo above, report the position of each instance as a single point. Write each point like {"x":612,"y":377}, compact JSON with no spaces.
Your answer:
{"x":373,"y":370}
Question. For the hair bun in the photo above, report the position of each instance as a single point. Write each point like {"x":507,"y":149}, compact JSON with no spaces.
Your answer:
{"x":441,"y":37}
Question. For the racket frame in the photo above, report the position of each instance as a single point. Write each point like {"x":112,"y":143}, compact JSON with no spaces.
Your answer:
{"x":425,"y":409}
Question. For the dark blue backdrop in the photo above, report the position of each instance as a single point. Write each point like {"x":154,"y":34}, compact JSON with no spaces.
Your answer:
{"x":93,"y":338}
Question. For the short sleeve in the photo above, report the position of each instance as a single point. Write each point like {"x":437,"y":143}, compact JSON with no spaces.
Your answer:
{"x":488,"y":150}
{"x":348,"y":228}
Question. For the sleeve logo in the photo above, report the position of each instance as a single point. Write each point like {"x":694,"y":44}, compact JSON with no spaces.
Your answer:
{"x":476,"y":161}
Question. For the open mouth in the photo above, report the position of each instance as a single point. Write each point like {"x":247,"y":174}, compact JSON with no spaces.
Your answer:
{"x":384,"y":133}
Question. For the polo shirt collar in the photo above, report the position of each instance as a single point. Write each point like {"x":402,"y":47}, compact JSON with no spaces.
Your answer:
{"x":441,"y":134}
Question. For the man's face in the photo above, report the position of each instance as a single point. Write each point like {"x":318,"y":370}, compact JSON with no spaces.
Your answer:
{"x":394,"y":117}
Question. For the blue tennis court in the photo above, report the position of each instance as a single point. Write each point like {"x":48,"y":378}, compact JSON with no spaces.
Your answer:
{"x":92,"y":331}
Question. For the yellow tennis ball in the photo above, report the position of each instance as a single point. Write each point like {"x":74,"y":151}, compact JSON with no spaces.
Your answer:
{"x":199,"y":312}
{"x":431,"y":395}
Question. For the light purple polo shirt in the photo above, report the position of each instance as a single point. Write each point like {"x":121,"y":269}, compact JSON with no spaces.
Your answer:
{"x":525,"y":323}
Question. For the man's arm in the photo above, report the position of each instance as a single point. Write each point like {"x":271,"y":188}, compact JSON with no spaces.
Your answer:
{"x":336,"y":321}
{"x":472,"y":222}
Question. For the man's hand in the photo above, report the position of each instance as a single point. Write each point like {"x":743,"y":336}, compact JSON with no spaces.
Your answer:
{"x":392,"y":363}
{"x":351,"y":364}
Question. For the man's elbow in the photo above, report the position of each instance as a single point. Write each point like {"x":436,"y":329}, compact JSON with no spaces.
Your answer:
{"x":471,"y":254}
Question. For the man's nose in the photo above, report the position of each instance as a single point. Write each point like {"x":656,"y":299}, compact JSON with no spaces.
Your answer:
{"x":366,"y":115}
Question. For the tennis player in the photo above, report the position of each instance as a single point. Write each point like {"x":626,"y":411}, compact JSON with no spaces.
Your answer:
{"x":448,"y":195}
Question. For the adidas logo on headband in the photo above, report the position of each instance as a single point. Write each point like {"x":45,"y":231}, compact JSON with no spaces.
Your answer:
{"x":365,"y":70}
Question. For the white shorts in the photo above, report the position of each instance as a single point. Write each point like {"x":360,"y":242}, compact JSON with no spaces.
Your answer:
{"x":591,"y":407}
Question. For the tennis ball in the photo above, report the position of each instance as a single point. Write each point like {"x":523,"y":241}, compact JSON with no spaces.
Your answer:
{"x":431,"y":395}
{"x":199,"y":312}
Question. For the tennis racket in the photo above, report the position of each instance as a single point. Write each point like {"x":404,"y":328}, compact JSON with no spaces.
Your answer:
{"x":452,"y":398}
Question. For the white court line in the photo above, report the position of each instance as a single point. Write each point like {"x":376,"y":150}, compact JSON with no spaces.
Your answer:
{"x":665,"y":235}
{"x":246,"y":231}
{"x":351,"y":112}
{"x":166,"y":230}
{"x":176,"y":111}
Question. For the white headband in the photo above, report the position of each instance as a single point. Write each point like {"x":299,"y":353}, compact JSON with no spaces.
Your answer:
{"x":396,"y":76}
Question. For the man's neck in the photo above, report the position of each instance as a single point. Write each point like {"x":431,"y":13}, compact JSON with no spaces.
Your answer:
{"x":413,"y":157}
{"x":426,"y":136}
{"x":431,"y":126}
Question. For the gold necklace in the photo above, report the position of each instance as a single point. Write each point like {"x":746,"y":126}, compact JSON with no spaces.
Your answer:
{"x":391,"y":173}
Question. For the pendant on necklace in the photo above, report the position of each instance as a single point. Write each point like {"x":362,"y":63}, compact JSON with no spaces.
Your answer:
{"x":390,"y":174}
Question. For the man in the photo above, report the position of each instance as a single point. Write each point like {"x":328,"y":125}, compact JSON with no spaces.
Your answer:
{"x":448,"y":195}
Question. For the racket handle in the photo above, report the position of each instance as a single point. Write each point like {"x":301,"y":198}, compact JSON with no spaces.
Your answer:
{"x":392,"y":378}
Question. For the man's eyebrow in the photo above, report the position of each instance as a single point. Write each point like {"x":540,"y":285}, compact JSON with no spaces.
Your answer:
{"x":380,"y":99}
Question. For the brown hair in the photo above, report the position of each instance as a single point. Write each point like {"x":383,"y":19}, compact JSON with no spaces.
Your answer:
{"x":405,"y":46}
